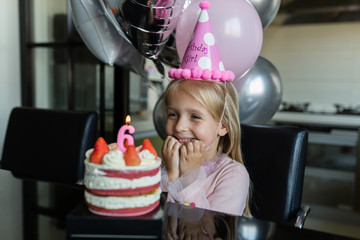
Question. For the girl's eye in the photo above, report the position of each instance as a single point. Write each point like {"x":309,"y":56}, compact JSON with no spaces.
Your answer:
{"x":171,"y":115}
{"x":195,"y":117}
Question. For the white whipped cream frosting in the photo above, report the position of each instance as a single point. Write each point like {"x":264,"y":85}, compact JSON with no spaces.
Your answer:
{"x":147,"y":158}
{"x":114,"y":158}
{"x":110,"y":202}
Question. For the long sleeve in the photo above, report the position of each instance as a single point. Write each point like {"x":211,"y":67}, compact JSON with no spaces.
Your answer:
{"x":230,"y":190}
{"x":187,"y":188}
{"x":220,"y":185}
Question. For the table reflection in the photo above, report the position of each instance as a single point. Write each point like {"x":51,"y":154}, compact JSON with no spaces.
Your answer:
{"x":178,"y":221}
{"x":186,"y":222}
{"x":251,"y":229}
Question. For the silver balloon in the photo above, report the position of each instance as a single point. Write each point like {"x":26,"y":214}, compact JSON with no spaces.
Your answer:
{"x":260,"y":92}
{"x":267,"y":10}
{"x":169,"y":53}
{"x":159,"y":117}
{"x":101,"y":37}
{"x":147,"y":24}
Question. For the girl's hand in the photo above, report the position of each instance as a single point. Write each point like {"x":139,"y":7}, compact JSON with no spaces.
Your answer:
{"x":171,"y":156}
{"x":192,"y":154}
{"x":189,"y":230}
{"x":171,"y":229}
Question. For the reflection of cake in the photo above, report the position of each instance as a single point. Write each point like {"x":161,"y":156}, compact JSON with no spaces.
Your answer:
{"x":122,"y":184}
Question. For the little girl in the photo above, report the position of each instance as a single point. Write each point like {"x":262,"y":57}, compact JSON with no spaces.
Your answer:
{"x":202,"y":154}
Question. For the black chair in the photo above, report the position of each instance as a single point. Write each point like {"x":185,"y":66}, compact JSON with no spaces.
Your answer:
{"x":48,"y":146}
{"x":275,"y":159}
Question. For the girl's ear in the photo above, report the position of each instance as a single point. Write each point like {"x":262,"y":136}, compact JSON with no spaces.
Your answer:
{"x":222,"y":131}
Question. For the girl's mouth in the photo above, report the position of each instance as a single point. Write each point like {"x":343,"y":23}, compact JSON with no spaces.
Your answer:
{"x":184,"y":140}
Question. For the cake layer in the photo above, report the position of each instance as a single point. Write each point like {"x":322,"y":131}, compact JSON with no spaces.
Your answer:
{"x":123,"y":192}
{"x":126,"y":212}
{"x":130,"y":174}
{"x":100,"y":168}
{"x":94,"y":181}
{"x":122,"y":202}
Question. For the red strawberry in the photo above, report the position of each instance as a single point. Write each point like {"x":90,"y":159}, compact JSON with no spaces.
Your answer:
{"x":148,"y":146}
{"x":100,"y":149}
{"x":131,"y":157}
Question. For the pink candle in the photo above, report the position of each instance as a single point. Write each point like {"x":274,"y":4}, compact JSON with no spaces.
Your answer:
{"x":122,"y":136}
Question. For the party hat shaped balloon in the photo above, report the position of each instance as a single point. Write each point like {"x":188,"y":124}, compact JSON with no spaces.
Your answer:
{"x":202,"y":60}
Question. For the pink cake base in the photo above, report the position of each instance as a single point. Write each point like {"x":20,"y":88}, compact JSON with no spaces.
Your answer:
{"x":124,"y":192}
{"x":124,"y":212}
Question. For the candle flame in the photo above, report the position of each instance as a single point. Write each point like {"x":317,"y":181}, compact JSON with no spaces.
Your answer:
{"x":128,"y":119}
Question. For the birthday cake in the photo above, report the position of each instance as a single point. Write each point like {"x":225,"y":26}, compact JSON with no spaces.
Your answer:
{"x":122,"y":183}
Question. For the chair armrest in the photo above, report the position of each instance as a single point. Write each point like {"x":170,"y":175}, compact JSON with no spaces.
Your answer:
{"x":301,"y":216}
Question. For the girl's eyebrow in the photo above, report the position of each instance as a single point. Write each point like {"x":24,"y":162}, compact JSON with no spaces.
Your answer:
{"x":170,"y":109}
{"x":197,"y":112}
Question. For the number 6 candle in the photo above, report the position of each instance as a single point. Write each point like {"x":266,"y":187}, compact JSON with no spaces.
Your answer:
{"x":122,"y":136}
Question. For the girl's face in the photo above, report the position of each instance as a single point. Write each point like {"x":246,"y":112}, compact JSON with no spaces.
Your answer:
{"x":188,"y":120}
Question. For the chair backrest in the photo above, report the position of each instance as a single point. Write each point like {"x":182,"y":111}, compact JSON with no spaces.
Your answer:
{"x":275,"y":159}
{"x":48,"y":145}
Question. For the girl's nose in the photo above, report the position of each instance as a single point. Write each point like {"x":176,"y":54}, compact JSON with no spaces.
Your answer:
{"x":181,"y":124}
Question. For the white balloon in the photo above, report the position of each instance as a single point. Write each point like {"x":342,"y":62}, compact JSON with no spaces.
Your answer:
{"x":101,"y":37}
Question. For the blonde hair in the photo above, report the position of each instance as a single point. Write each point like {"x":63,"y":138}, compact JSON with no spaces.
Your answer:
{"x":212,"y":96}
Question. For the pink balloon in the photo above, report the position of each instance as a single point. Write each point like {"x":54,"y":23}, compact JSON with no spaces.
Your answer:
{"x":237,"y":28}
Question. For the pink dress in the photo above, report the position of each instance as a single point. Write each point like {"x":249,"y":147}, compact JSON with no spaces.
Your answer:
{"x":220,"y":184}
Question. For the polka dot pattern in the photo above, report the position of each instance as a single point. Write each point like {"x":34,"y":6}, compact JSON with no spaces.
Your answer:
{"x":204,"y":16}
{"x":209,"y":39}
{"x":202,"y":57}
{"x":221,"y":66}
{"x":205,"y":63}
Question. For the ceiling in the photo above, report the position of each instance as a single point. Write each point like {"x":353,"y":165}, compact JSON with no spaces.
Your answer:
{"x":320,"y":11}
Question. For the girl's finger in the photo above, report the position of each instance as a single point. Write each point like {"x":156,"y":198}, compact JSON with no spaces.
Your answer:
{"x":183,"y":151}
{"x":190,"y":147}
{"x":166,"y":141}
{"x":171,"y":143}
{"x":176,"y":146}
